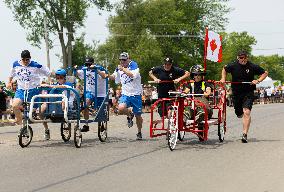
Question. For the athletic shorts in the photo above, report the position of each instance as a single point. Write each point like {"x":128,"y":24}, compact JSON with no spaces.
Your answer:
{"x":132,"y":101}
{"x":91,"y":96}
{"x":242,"y":101}
{"x":20,"y":94}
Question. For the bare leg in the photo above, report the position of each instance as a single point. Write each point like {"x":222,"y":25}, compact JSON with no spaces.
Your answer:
{"x":123,"y":110}
{"x":246,"y":120}
{"x":139,"y":122}
{"x":42,"y":110}
{"x":17,"y":103}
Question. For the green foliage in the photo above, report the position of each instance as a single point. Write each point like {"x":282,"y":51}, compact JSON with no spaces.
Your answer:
{"x":273,"y":64}
{"x":150,"y":30}
{"x":232,"y":43}
{"x":81,"y":50}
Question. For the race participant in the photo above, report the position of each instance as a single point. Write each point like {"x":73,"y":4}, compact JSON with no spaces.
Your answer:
{"x":127,"y":73}
{"x":167,"y":72}
{"x":199,"y":86}
{"x":242,"y":70}
{"x":90,"y":86}
{"x":28,"y":74}
{"x":60,"y":75}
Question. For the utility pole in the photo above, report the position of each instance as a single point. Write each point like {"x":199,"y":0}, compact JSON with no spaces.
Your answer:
{"x":46,"y":43}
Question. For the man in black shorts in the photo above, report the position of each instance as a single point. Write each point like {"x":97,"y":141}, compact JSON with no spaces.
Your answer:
{"x":171,"y":74}
{"x":243,"y":70}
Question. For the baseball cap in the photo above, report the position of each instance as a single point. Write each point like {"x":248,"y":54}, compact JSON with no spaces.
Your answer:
{"x":242,"y":53}
{"x":123,"y":55}
{"x":89,"y":60}
{"x":168,"y":60}
{"x":25,"y":54}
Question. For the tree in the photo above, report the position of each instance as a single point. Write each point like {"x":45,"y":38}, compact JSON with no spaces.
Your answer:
{"x":153,"y":29}
{"x":232,"y":43}
{"x":273,"y":64}
{"x":63,"y":18}
{"x":81,"y":50}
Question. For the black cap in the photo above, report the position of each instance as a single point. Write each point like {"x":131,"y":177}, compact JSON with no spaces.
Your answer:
{"x":25,"y":54}
{"x":168,"y":60}
{"x":242,"y":53}
{"x":89,"y":60}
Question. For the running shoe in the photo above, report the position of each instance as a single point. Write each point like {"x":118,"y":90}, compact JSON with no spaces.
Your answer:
{"x":130,"y":120}
{"x":85,"y":128}
{"x":139,"y":136}
{"x":47,"y":134}
{"x":244,"y":138}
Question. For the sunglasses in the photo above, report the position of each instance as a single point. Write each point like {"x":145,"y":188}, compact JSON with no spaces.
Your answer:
{"x":26,"y":59}
{"x":243,"y":57}
{"x":122,"y":59}
{"x":196,"y":75}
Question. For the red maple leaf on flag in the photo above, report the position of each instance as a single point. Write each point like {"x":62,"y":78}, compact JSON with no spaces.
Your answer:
{"x":213,"y":45}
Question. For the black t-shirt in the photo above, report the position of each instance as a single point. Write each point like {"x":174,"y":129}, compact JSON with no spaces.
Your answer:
{"x":198,"y":88}
{"x":163,"y":75}
{"x":3,"y":101}
{"x":243,"y":73}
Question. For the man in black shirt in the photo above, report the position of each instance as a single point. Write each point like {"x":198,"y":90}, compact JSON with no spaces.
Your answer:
{"x":170,"y":75}
{"x":243,"y":70}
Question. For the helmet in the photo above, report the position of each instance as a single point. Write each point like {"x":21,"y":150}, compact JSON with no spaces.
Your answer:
{"x":61,"y":72}
{"x":89,"y":60}
{"x":197,"y":69}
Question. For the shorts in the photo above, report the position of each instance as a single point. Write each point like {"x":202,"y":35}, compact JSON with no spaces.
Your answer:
{"x":132,"y":101}
{"x":20,"y":94}
{"x":243,"y":101}
{"x":91,"y":97}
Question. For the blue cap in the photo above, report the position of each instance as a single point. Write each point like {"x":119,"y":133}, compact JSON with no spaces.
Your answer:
{"x":61,"y":72}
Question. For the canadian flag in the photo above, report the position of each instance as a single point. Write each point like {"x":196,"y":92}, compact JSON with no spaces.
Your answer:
{"x":213,"y":46}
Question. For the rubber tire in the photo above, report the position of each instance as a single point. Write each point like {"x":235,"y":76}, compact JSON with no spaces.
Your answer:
{"x":22,"y":131}
{"x":65,"y":137}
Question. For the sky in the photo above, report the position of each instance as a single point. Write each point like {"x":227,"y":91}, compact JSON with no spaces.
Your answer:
{"x":262,"y":19}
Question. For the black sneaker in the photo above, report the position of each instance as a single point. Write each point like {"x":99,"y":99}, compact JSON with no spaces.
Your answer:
{"x":130,"y":120}
{"x":244,"y":138}
{"x":139,"y":136}
{"x":85,"y":128}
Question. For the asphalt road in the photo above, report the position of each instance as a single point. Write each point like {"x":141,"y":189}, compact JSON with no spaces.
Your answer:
{"x":124,"y":164}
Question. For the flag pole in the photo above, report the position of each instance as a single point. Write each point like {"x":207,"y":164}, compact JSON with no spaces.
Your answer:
{"x":205,"y":46}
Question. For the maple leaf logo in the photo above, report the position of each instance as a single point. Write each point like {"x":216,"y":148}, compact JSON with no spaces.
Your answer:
{"x":213,"y":45}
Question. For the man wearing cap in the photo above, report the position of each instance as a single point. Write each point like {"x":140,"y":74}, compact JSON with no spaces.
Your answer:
{"x":170,"y":75}
{"x":91,"y":88}
{"x":28,"y":74}
{"x":243,"y":70}
{"x":127,"y":73}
